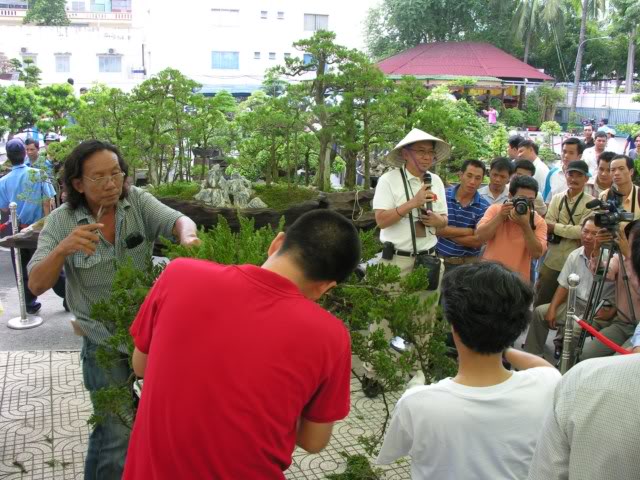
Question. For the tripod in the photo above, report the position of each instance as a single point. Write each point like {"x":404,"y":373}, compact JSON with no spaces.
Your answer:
{"x":594,"y":301}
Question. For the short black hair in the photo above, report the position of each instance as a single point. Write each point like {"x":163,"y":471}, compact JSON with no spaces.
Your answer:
{"x":526,"y":164}
{"x":16,"y":158}
{"x":73,"y":169}
{"x":606,"y":157}
{"x":487,"y":305}
{"x":515,"y":140}
{"x":605,"y":121}
{"x":601,"y":134}
{"x":32,"y":141}
{"x":574,"y":141}
{"x":529,"y":144}
{"x":324,"y":244}
{"x":473,"y":163}
{"x":627,"y":159}
{"x":522,"y":181}
{"x":501,"y":164}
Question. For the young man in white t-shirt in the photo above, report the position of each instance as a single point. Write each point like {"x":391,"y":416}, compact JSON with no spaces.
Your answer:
{"x":484,"y":422}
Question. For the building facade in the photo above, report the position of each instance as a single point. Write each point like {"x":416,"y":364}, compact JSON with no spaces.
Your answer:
{"x":221,"y":44}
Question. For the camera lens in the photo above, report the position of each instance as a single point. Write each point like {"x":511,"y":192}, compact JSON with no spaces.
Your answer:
{"x":521,"y":208}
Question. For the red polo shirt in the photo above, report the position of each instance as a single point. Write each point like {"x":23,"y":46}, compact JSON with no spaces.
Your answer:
{"x":236,"y":356}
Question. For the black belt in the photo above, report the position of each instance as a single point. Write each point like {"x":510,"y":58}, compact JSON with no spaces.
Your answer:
{"x":403,"y":253}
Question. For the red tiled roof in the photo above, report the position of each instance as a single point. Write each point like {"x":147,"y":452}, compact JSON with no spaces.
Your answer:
{"x":468,"y":59}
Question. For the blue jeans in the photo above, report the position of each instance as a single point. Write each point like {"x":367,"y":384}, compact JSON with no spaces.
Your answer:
{"x":109,"y":440}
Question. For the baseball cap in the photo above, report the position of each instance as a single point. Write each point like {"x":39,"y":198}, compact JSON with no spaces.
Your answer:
{"x":579,"y":166}
{"x":15,"y":146}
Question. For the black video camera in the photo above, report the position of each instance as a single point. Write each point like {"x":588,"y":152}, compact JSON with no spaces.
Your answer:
{"x":609,"y":213}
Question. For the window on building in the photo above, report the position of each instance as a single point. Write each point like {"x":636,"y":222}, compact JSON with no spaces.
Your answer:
{"x":225,"y":60}
{"x":287,"y":55}
{"x":78,"y":6}
{"x":109,"y":63}
{"x":225,"y":17}
{"x":280,"y":15}
{"x":263,"y":14}
{"x":100,"y":5}
{"x":272,"y":55}
{"x":120,"y":5}
{"x":256,"y":55}
{"x":307,"y":58}
{"x":63,"y":63}
{"x":313,"y":22}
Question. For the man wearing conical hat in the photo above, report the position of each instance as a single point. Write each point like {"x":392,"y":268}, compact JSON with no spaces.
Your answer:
{"x":396,"y":206}
{"x":410,"y":204}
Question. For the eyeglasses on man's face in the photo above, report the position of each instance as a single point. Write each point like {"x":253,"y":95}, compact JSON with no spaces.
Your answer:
{"x":423,"y":153}
{"x":102,"y":182}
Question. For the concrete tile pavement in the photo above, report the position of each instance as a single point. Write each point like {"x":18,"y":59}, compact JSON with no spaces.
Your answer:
{"x":44,"y":410}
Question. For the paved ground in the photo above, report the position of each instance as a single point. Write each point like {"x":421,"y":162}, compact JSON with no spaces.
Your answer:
{"x":44,"y":406}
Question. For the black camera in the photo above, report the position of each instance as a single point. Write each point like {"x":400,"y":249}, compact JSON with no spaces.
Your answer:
{"x":521,"y":204}
{"x":609,"y":213}
{"x":553,"y":238}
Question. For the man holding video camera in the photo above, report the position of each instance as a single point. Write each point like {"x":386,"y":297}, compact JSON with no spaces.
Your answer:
{"x":514,"y":233}
{"x":621,"y":169}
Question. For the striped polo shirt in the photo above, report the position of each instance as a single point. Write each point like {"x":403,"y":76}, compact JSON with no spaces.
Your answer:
{"x":462,"y":217}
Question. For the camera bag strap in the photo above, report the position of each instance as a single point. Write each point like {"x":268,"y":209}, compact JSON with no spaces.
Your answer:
{"x":413,"y":227}
{"x":572,"y":211}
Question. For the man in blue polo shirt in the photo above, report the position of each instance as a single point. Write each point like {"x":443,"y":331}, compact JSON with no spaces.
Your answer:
{"x":30,"y":190}
{"x":457,"y":242}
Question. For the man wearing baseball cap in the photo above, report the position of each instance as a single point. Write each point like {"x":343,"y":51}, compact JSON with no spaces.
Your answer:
{"x":564,"y":219}
{"x":30,"y":190}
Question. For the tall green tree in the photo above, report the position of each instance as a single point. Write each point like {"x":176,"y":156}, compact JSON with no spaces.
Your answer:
{"x":323,"y":58}
{"x":58,"y":99}
{"x":162,"y":120}
{"x":627,"y":19}
{"x":28,"y":71}
{"x":368,"y":118}
{"x":49,"y":13}
{"x":537,"y":18}
{"x":20,"y":108}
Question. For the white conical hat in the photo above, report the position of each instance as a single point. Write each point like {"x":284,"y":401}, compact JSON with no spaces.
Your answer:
{"x":443,"y":150}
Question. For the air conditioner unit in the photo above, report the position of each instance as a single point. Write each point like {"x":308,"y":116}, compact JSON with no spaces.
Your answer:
{"x":24,"y":50}
{"x":111,"y":51}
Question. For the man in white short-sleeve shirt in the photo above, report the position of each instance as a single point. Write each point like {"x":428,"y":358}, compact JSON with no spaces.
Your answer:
{"x":396,"y":198}
{"x":484,"y":422}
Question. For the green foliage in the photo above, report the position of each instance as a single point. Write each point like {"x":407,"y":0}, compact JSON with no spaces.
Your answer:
{"x":548,"y":156}
{"x":50,"y":13}
{"x":20,"y":108}
{"x":358,"y":468}
{"x":221,"y":245}
{"x":28,"y":72}
{"x":628,"y":128}
{"x":58,"y":100}
{"x":548,"y":99}
{"x":513,"y":117}
{"x":550,"y":129}
{"x":280,"y":197}
{"x":499,"y":141}
{"x":182,"y":189}
{"x":636,"y":98}
{"x":457,"y":124}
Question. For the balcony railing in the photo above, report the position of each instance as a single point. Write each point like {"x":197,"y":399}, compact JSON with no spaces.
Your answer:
{"x":74,"y":17}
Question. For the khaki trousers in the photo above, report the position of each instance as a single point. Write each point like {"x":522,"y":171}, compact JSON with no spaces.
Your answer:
{"x":405,"y":264}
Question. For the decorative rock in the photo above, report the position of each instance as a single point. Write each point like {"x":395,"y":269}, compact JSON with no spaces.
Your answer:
{"x":215,"y":190}
{"x":257,"y":203}
{"x":240,"y":191}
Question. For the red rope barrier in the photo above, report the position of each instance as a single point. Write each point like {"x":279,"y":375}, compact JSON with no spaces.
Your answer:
{"x":602,"y":339}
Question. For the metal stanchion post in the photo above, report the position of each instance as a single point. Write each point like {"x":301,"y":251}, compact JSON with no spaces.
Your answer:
{"x":23,"y":321}
{"x":567,"y":355}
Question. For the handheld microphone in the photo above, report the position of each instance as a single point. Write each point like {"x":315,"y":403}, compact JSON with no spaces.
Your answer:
{"x":426,"y":180}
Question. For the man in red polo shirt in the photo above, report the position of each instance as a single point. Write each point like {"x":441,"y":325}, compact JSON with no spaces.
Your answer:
{"x":240,"y":364}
